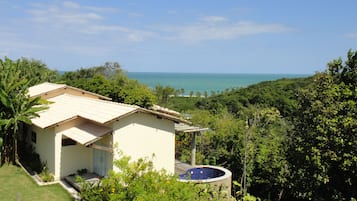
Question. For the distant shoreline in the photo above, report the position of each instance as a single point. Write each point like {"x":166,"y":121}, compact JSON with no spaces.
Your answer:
{"x":205,"y":82}
{"x":222,"y":73}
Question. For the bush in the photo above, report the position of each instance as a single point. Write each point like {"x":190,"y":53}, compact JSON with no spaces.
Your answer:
{"x":139,"y":181}
{"x":45,"y":175}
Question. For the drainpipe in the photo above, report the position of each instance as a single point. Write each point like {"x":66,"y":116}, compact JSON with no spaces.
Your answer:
{"x":193,"y":148}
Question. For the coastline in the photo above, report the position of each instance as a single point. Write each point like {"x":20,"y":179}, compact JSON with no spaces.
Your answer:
{"x":205,"y":82}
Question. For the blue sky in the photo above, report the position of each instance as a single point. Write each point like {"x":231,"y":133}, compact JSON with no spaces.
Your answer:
{"x":213,"y":36}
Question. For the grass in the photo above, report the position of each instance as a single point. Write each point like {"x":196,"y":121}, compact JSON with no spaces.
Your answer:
{"x":15,"y":184}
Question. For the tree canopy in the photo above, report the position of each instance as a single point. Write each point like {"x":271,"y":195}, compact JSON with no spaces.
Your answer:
{"x":16,"y":106}
{"x":109,"y":80}
{"x":323,"y":155}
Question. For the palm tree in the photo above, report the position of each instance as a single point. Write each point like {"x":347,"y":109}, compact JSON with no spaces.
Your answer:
{"x":16,"y":108}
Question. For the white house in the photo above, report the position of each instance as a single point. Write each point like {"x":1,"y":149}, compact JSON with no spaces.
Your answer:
{"x":81,"y":130}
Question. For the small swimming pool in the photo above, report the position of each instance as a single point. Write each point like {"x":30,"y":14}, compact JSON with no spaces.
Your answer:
{"x":208,"y":174}
{"x":202,"y":173}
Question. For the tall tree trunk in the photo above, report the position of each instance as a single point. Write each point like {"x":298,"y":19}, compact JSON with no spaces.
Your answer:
{"x":281,"y":194}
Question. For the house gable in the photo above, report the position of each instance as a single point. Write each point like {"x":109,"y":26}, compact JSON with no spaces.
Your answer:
{"x":48,"y":90}
{"x":67,"y":107}
{"x":142,"y":136}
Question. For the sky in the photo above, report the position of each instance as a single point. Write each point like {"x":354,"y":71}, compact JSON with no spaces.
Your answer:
{"x":195,"y":36}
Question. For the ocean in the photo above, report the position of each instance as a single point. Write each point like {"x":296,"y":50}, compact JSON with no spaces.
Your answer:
{"x":201,"y":82}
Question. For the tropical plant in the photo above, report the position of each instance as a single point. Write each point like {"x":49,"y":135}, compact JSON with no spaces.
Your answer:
{"x":16,"y":107}
{"x":35,"y":71}
{"x":45,"y":175}
{"x":163,"y":93}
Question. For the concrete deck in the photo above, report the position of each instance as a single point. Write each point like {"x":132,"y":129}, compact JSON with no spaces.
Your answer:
{"x":181,"y":167}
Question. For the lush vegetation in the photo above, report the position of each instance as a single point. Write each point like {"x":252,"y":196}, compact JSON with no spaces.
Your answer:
{"x":138,"y":181}
{"x":109,"y":80}
{"x":323,"y":153}
{"x":15,"y":184}
{"x":15,"y":105}
{"x":290,"y":139}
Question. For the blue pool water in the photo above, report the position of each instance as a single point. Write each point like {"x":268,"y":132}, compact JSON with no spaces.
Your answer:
{"x":201,"y":173}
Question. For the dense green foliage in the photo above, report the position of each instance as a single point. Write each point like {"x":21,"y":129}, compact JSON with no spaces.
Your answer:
{"x":324,"y":141}
{"x":234,"y":143}
{"x":182,"y":103}
{"x":279,"y":94}
{"x":163,"y":94}
{"x":15,"y":105}
{"x":109,"y":80}
{"x":35,"y":71}
{"x":289,"y":139}
{"x":138,"y":181}
{"x":243,"y":134}
{"x":307,"y":151}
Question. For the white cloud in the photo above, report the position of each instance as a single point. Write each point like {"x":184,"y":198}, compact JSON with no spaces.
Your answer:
{"x":57,"y":15}
{"x":71,"y":4}
{"x":101,"y":9}
{"x":11,"y":41}
{"x":140,"y":36}
{"x":220,"y":28}
{"x":85,"y":30}
{"x":75,"y":19}
{"x":214,"y":19}
{"x":132,"y":35}
{"x":351,"y":35}
{"x":67,"y":28}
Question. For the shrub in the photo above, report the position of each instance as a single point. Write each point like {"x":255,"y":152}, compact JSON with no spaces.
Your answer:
{"x":140,"y":182}
{"x":45,"y":175}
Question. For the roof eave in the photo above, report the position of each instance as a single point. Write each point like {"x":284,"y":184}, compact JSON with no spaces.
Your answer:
{"x":147,"y":111}
{"x":74,"y":88}
{"x":88,"y":92}
{"x":166,"y":116}
{"x":57,"y":123}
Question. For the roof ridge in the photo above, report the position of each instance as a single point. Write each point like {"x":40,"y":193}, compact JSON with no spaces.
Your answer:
{"x":100,"y":100}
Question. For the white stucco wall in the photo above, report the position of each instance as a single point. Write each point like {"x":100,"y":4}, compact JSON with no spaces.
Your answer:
{"x":75,"y":157}
{"x":138,"y":136}
{"x":44,"y":146}
{"x":143,"y":135}
{"x":70,"y":158}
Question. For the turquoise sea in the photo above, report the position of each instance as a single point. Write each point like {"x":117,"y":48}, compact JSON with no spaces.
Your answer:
{"x":205,"y":81}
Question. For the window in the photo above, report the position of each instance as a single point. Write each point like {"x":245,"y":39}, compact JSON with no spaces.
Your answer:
{"x":33,"y":136}
{"x":68,"y":142}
